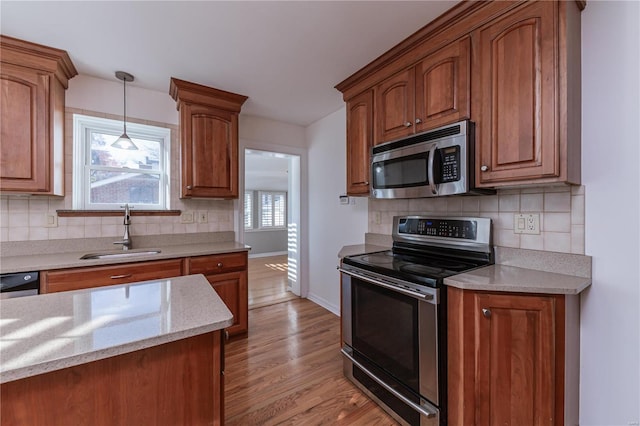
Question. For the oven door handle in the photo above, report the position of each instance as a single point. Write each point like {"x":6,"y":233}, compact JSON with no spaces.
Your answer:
{"x":413,"y":294}
{"x":426,"y":410}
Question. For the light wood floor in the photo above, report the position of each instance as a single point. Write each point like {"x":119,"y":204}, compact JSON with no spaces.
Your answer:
{"x":289,"y":371}
{"x":268,"y":281}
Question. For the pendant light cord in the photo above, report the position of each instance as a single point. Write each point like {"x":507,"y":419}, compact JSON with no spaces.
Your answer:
{"x":124,"y":81}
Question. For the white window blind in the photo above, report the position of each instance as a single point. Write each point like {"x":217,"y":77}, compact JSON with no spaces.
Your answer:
{"x":273,"y":209}
{"x":248,"y":210}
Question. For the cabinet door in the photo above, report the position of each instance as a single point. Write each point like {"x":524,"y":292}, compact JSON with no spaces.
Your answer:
{"x":210,"y":152}
{"x":232,"y":289}
{"x":516,"y":359}
{"x":359,"y":142}
{"x":394,"y":106}
{"x":443,"y":86}
{"x":515,"y":96}
{"x":24,"y":120}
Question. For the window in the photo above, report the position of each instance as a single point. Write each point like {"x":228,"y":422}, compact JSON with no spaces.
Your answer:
{"x":106,"y":177}
{"x":248,"y":210}
{"x":273,"y":209}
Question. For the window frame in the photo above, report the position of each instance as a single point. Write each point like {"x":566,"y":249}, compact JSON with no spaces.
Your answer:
{"x":272,"y":227}
{"x":249,"y":193}
{"x":83,"y":125}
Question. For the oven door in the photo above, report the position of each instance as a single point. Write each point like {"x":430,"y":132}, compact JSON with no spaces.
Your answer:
{"x":391,"y":344}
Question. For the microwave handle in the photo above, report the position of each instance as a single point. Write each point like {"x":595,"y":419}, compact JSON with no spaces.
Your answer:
{"x":430,"y":175}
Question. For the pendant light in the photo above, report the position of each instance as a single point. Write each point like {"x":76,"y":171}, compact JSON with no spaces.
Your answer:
{"x":124,"y":141}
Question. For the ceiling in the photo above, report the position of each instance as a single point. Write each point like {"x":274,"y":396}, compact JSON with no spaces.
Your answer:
{"x":286,"y":56}
{"x":266,"y":170}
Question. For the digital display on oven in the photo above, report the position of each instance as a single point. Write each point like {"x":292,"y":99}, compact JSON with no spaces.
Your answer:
{"x":450,"y":228}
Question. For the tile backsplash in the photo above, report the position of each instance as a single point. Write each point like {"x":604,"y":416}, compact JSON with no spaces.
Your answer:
{"x":561,"y":210}
{"x":22,"y":218}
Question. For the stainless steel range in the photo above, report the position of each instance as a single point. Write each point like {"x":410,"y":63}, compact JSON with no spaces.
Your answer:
{"x":394,"y":313}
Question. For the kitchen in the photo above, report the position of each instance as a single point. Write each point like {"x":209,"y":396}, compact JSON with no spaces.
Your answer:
{"x":609,"y":309}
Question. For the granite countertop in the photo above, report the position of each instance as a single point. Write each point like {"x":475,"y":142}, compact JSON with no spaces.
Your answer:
{"x":513,"y":279}
{"x":42,"y":262}
{"x":53,"y":331}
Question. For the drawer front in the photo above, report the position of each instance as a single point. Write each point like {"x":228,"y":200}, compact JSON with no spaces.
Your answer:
{"x":74,"y":279}
{"x":218,"y":263}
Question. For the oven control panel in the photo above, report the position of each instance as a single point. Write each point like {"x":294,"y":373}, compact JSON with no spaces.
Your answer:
{"x":449,"y":228}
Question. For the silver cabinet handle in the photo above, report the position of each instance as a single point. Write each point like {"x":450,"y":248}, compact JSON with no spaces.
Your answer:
{"x":189,"y":187}
{"x":486,"y":312}
{"x":484,"y":168}
{"x":407,"y":124}
{"x":220,"y":265}
{"x":117,"y":277}
{"x":418,"y":121}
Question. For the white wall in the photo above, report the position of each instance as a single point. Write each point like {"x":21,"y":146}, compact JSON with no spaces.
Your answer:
{"x":610,"y":326}
{"x":332,"y":225}
{"x":96,"y":94}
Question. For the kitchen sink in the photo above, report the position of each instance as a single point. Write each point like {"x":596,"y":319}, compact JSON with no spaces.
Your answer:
{"x":119,"y":254}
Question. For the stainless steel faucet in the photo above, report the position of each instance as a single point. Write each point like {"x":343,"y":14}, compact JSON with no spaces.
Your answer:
{"x":126,"y":242}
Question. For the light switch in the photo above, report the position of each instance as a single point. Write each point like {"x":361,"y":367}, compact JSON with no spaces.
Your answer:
{"x":50,"y":220}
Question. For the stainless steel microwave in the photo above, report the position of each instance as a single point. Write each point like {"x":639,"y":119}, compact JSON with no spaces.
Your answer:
{"x":430,"y":164}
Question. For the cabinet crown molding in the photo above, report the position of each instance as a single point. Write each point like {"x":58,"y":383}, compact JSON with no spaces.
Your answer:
{"x":185,"y":91}
{"x":37,"y":56}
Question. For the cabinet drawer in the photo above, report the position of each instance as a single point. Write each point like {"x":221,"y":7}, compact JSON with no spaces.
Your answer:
{"x":77,"y":278}
{"x":218,"y":263}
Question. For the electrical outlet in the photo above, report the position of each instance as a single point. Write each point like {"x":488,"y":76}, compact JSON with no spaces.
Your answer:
{"x":50,"y":220}
{"x":186,"y":217}
{"x":526,"y":223}
{"x":202,"y":217}
{"x":376,"y":218}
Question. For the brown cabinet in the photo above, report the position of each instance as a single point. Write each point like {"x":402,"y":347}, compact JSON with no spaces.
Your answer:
{"x":432,"y":93}
{"x":33,"y":80}
{"x":526,"y":96}
{"x":98,"y":276}
{"x":359,"y":143}
{"x":227,"y":274}
{"x":208,"y":140}
{"x":507,"y":358}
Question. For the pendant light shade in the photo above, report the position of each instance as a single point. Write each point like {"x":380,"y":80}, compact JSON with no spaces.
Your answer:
{"x":124,"y":141}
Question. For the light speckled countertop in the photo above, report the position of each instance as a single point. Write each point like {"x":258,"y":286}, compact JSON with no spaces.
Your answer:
{"x":53,"y":331}
{"x":43,"y":262}
{"x":517,"y":280}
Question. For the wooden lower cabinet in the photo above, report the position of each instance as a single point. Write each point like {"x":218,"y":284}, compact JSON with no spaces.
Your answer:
{"x":227,"y":274}
{"x":508,"y":360}
{"x":177,"y":383}
{"x":98,"y":276}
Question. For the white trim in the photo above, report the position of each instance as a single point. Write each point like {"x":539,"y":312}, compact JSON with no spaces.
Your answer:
{"x":273,"y":253}
{"x":334,"y":309}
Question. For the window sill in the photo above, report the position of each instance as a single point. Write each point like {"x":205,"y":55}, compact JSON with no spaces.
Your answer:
{"x":94,"y":213}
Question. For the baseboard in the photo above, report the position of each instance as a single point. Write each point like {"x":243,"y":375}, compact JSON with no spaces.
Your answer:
{"x":334,"y":309}
{"x":273,"y":253}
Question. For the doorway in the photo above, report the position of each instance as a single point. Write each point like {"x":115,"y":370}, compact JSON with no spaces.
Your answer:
{"x":270,"y":224}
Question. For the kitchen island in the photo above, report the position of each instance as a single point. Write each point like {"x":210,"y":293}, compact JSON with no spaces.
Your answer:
{"x":140,"y":353}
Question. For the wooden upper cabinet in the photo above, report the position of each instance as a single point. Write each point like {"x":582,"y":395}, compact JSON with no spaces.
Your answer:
{"x":208,"y":140}
{"x":359,"y":142}
{"x":33,"y":80}
{"x":394,"y":107}
{"x":443,"y":88}
{"x":434,"y":92}
{"x":525,"y":131}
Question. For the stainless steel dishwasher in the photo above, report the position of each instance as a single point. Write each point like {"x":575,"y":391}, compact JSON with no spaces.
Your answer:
{"x":19,"y":284}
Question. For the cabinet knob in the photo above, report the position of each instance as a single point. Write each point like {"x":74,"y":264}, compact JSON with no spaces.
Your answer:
{"x":189,"y":187}
{"x":407,"y":124}
{"x":220,"y":265}
{"x":486,"y":312}
{"x":484,"y":168}
{"x":418,"y":121}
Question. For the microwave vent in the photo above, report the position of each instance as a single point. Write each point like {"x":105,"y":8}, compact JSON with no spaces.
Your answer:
{"x":422,"y":137}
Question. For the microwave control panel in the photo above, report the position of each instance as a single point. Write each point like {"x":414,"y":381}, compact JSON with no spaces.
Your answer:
{"x":450,"y":168}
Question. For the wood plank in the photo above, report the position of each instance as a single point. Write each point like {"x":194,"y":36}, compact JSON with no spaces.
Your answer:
{"x":289,"y":371}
